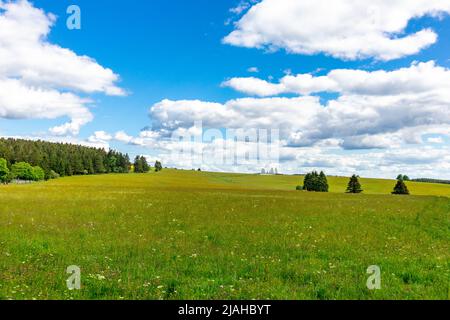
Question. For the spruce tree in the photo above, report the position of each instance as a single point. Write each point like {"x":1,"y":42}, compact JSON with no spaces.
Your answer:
{"x":353,"y":185}
{"x":138,"y":165}
{"x":323,"y":182}
{"x":401,"y":188}
{"x":145,"y":166}
{"x":307,"y":182}
{"x":316,"y":182}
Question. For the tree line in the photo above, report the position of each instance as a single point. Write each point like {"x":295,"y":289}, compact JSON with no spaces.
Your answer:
{"x":426,"y":180}
{"x":318,"y":182}
{"x":60,"y":159}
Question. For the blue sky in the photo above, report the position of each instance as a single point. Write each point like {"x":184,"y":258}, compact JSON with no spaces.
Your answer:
{"x":175,"y":50}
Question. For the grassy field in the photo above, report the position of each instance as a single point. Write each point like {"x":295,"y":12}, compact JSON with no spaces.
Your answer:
{"x":192,"y":235}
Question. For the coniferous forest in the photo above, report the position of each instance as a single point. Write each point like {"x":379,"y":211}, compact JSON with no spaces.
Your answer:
{"x":62,"y":158}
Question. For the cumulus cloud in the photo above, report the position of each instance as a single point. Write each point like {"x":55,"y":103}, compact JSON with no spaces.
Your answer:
{"x":18,"y":101}
{"x":123,"y":137}
{"x":312,"y":136}
{"x":423,"y":77}
{"x":348,"y":29}
{"x":373,"y":110}
{"x":283,"y":113}
{"x":254,"y":86}
{"x":100,"y":136}
{"x":41,"y":80}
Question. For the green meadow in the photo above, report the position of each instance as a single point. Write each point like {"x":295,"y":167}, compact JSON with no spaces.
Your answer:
{"x":195,"y":235}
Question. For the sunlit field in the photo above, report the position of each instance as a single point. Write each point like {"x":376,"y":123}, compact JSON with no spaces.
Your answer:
{"x":193,"y":235}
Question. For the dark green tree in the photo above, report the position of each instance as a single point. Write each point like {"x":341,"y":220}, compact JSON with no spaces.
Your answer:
{"x":403,"y":177}
{"x":99,"y":163}
{"x":138,"y":165}
{"x":400,"y":188}
{"x":322,"y":182}
{"x":141,"y":165}
{"x":353,"y":185}
{"x":145,"y":165}
{"x":316,"y":182}
{"x":158,"y":166}
{"x":307,"y":182}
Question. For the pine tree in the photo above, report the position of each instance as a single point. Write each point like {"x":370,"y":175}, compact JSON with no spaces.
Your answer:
{"x":353,"y":185}
{"x":316,"y":182}
{"x":401,"y":188}
{"x":323,"y":183}
{"x":145,"y":166}
{"x":307,"y":183}
{"x":99,"y":166}
{"x":138,"y":165}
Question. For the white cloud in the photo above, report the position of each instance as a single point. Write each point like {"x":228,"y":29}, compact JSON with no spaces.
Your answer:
{"x":149,"y":134}
{"x":242,"y":6}
{"x":100,"y":136}
{"x":283,"y":113}
{"x":323,"y":142}
{"x":377,"y":109}
{"x":122,"y":136}
{"x":373,"y":109}
{"x":424,"y":77}
{"x":254,"y":86}
{"x":253,"y":70}
{"x":18,"y":101}
{"x":349,"y":29}
{"x":26,"y":53}
{"x":36,"y":75}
